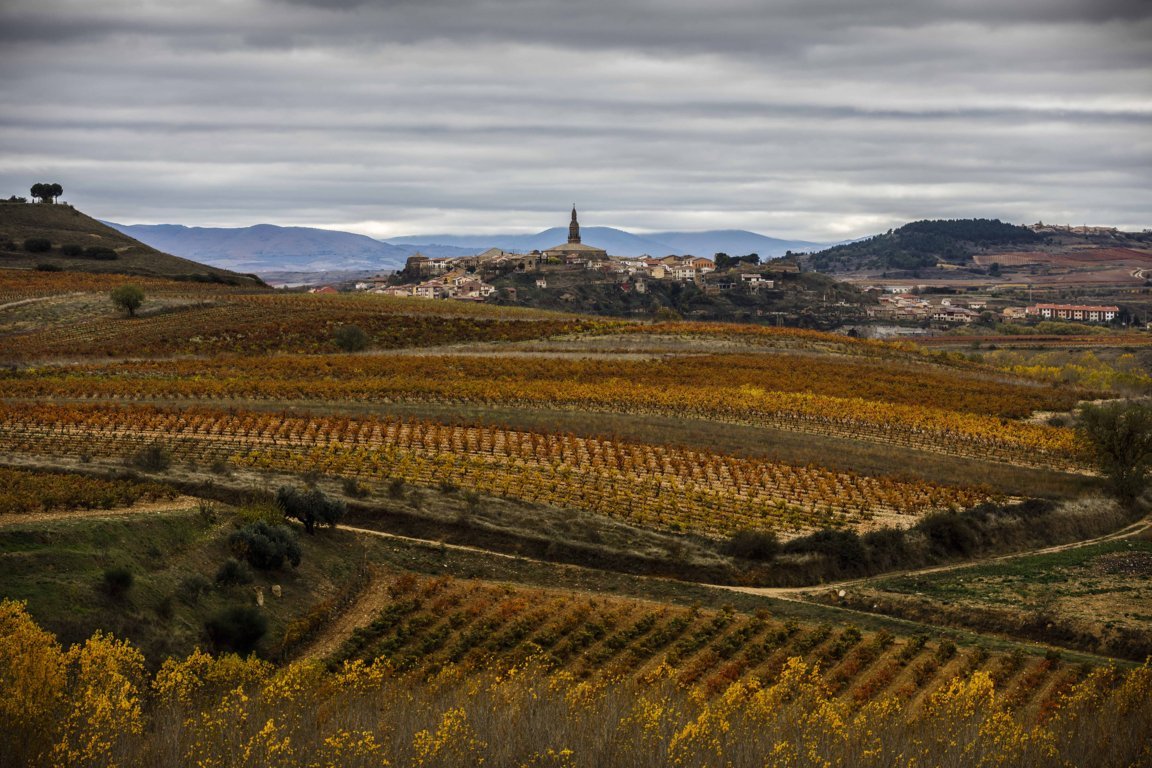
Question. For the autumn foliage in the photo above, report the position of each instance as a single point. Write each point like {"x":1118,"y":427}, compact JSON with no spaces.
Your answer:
{"x":94,"y":705}
{"x":657,"y":486}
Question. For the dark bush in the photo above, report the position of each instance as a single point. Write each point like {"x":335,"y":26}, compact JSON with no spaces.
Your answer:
{"x":949,"y":534}
{"x":116,"y":582}
{"x":72,"y":249}
{"x":887,"y":548}
{"x":354,"y":489}
{"x":843,"y":549}
{"x":192,"y":588}
{"x":232,"y":573}
{"x":396,"y":488}
{"x":238,"y":629}
{"x":43,"y":267}
{"x":152,"y":458}
{"x":37,"y":245}
{"x":351,"y":338}
{"x":752,"y":545}
{"x":311,"y":508}
{"x":265,"y":547}
{"x":100,"y":253}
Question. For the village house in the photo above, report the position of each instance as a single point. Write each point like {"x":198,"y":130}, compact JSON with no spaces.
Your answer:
{"x":1076,"y":312}
{"x":949,"y":314}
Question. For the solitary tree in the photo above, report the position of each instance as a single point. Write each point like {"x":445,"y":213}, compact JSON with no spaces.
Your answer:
{"x":311,"y":507}
{"x":1120,"y":435}
{"x":128,"y":298}
{"x":47,"y":193}
{"x":351,"y":338}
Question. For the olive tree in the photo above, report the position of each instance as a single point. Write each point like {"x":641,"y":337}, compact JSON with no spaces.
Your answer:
{"x":128,"y":297}
{"x":311,"y":508}
{"x":1120,"y":436}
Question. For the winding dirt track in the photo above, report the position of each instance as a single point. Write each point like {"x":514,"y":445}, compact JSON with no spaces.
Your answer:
{"x":179,"y":504}
{"x":786,"y":593}
{"x":375,"y":596}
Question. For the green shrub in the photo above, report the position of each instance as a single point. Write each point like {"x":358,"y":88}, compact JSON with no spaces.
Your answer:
{"x":265,"y":547}
{"x":311,"y":508}
{"x":190,"y":589}
{"x":45,"y":267}
{"x":71,"y":249}
{"x":354,"y":489}
{"x":351,"y":338}
{"x":100,"y":253}
{"x":232,"y":573}
{"x":116,"y":582}
{"x":950,"y":534}
{"x":752,"y":545}
{"x":152,"y":458}
{"x":37,"y":245}
{"x":237,"y":629}
{"x":396,"y":488}
{"x":127,"y":297}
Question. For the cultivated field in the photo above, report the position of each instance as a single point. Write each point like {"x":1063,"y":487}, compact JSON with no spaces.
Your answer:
{"x":615,"y":529}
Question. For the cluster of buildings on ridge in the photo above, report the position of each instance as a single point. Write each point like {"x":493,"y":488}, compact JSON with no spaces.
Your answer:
{"x":462,"y":277}
{"x":952,"y":310}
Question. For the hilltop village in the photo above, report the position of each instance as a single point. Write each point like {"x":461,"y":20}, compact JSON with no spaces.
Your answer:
{"x":580,"y":276}
{"x":474,"y":277}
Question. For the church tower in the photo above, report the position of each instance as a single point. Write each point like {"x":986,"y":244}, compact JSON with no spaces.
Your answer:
{"x":574,"y":227}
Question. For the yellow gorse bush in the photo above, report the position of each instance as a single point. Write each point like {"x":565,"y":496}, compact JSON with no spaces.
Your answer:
{"x":94,"y":705}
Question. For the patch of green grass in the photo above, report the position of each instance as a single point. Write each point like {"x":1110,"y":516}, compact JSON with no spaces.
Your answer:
{"x":1003,"y":582}
{"x":58,"y":567}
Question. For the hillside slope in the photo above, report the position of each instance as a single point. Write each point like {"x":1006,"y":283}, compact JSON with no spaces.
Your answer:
{"x":80,"y":243}
{"x":923,"y":244}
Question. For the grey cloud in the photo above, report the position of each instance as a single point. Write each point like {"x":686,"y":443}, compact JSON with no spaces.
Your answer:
{"x":806,"y":119}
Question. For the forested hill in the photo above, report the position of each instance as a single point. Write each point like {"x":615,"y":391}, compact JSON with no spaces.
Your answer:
{"x":923,"y":244}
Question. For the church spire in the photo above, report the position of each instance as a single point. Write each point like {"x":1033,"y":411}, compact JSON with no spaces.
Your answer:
{"x":574,"y":227}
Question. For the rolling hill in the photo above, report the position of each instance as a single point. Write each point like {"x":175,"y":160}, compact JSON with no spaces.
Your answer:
{"x":79,"y":243}
{"x":921,"y":244}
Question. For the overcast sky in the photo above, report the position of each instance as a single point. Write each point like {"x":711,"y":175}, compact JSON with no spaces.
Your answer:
{"x":814,"y":119}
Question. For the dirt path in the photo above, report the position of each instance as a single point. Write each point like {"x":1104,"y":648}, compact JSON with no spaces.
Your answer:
{"x":798,"y":593}
{"x":179,"y":504}
{"x":22,"y":302}
{"x":373,"y":599}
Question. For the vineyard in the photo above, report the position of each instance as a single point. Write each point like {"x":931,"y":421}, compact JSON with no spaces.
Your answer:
{"x":921,"y":407}
{"x":656,"y":486}
{"x":435,"y":623}
{"x":464,"y":605}
{"x":197,"y":319}
{"x":844,"y":699}
{"x":23,"y":492}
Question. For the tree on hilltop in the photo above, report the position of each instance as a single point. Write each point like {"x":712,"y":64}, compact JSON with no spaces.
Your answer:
{"x":47,"y":193}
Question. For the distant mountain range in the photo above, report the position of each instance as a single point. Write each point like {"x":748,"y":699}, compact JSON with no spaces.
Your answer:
{"x":267,"y":248}
{"x":618,"y":242}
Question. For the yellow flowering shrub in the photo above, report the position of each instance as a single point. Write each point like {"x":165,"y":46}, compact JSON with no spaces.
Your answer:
{"x":32,"y":685}
{"x":106,"y":678}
